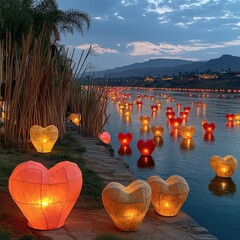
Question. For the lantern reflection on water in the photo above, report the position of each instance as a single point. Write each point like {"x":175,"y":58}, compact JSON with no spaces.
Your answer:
{"x":145,"y":162}
{"x":222,"y":186}
{"x":187,"y":144}
{"x":127,"y":206}
{"x":168,"y":196}
{"x":124,"y":150}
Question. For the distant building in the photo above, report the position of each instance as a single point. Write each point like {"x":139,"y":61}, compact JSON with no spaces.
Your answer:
{"x":207,"y":76}
{"x":149,"y":79}
{"x":167,"y":78}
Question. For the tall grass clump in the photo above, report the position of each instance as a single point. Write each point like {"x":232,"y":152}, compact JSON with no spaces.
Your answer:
{"x":42,"y":84}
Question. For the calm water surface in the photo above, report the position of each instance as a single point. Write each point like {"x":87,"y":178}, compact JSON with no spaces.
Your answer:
{"x":213,"y":202}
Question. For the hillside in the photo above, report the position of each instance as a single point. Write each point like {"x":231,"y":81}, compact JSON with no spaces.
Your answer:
{"x":160,"y":67}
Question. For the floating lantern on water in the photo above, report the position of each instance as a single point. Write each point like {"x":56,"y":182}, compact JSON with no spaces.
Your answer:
{"x":154,"y":108}
{"x":184,"y":115}
{"x":168,"y":196}
{"x":121,"y":106}
{"x":222,"y":186}
{"x":157,"y":131}
{"x":187,"y":132}
{"x":146,"y":148}
{"x":127,"y":206}
{"x":139,"y":104}
{"x":204,"y":105}
{"x":230,"y":117}
{"x":125,"y":150}
{"x":170,"y":115}
{"x":127,"y":113}
{"x":187,"y":109}
{"x":175,"y":122}
{"x":125,"y":139}
{"x":208,"y":127}
{"x":158,"y":103}
{"x":145,"y":162}
{"x":237,"y":118}
{"x":43,"y":139}
{"x":224,"y":167}
{"x":179,"y":105}
{"x":44,"y":196}
{"x":75,"y":118}
{"x":104,"y":137}
{"x":144,"y":120}
{"x":169,"y":109}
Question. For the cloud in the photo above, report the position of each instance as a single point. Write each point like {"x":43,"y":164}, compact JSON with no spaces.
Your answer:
{"x":105,"y":18}
{"x":127,"y":3}
{"x":148,"y":48}
{"x":156,"y":6}
{"x":118,"y":16}
{"x":96,"y":48}
{"x":197,"y":4}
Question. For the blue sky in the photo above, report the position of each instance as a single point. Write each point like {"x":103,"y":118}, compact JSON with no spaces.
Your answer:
{"x":128,"y":31}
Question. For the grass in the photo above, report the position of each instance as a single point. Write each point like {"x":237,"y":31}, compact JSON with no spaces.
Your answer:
{"x":111,"y":237}
{"x":12,"y":222}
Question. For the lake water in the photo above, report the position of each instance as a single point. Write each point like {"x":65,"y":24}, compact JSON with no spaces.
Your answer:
{"x":213,"y":202}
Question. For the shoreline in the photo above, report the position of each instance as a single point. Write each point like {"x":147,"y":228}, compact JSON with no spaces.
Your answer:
{"x":88,"y":224}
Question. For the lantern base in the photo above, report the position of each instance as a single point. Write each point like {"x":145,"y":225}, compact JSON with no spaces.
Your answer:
{"x":43,"y":229}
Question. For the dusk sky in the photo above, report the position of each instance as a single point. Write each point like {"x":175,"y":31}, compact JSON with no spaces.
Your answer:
{"x":127,"y":31}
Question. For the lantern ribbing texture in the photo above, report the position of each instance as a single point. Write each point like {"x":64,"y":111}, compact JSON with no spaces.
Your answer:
{"x":44,"y":196}
{"x":168,"y":196}
{"x":127,"y":206}
{"x":43,"y":139}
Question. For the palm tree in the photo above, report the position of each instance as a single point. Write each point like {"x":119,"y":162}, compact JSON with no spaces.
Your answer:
{"x":16,"y":16}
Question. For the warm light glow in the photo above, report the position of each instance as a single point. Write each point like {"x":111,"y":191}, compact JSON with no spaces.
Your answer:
{"x":43,"y":139}
{"x":144,"y":120}
{"x":127,"y":206}
{"x":45,"y":197}
{"x":187,"y":132}
{"x":146,"y":148}
{"x":75,"y":118}
{"x":104,"y":137}
{"x":168,"y":196}
{"x":224,"y":167}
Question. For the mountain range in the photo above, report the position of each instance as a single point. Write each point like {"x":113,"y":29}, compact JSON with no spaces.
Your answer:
{"x":161,"y":67}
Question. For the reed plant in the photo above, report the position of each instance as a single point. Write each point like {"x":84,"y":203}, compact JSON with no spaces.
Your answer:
{"x":42,"y":87}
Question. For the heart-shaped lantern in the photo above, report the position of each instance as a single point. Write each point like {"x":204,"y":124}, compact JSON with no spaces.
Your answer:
{"x":44,"y":196}
{"x":169,"y":109}
{"x":187,"y":109}
{"x":127,"y":206}
{"x":144,"y":120}
{"x":187,"y":132}
{"x":125,"y":139}
{"x":170,"y":115}
{"x":139,"y":104}
{"x":224,"y":167}
{"x":154,"y":108}
{"x":126,"y":113}
{"x":237,"y":118}
{"x":184,"y":115}
{"x":43,"y":139}
{"x":157,"y":131}
{"x":146,"y":148}
{"x":175,"y":122}
{"x":75,"y":118}
{"x":230,"y":117}
{"x":168,"y":196}
{"x":208,"y":127}
{"x":104,"y":137}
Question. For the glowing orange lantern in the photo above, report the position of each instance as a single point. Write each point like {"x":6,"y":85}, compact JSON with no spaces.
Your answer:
{"x":154,"y":108}
{"x":126,"y":113}
{"x":44,"y":196}
{"x":224,"y":167}
{"x":75,"y":118}
{"x":184,"y":115}
{"x":146,"y":148}
{"x":157,"y":131}
{"x":127,"y":206}
{"x":169,"y":109}
{"x":144,"y":120}
{"x":230,"y":117}
{"x":168,"y":196}
{"x":43,"y":139}
{"x":175,"y":122}
{"x":209,"y":127}
{"x":125,"y":139}
{"x":170,"y":115}
{"x":187,"y":109}
{"x":104,"y":137}
{"x":237,"y":118}
{"x":187,"y":132}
